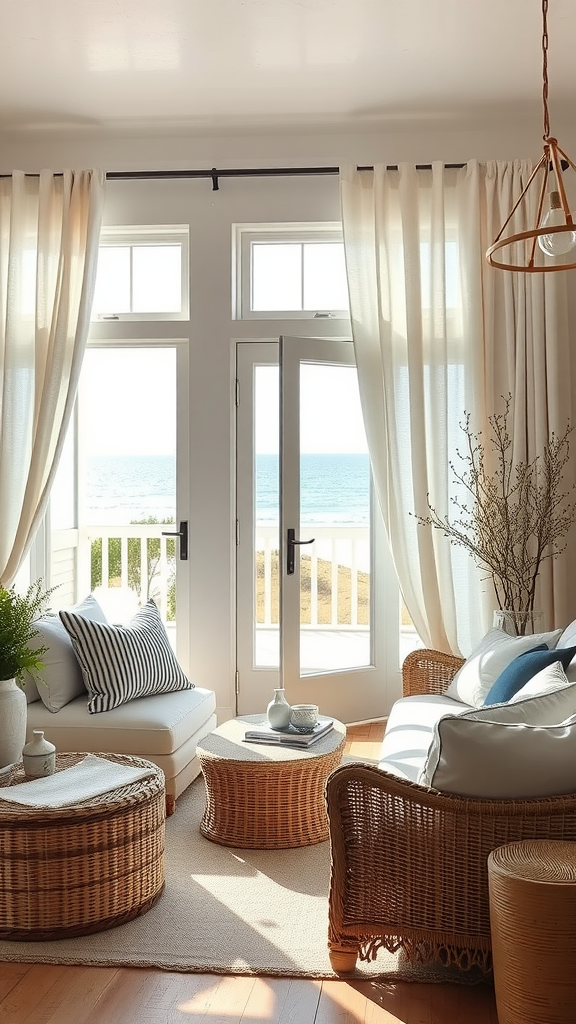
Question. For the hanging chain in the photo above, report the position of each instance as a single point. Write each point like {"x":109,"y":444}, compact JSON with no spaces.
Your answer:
{"x":545,"y":68}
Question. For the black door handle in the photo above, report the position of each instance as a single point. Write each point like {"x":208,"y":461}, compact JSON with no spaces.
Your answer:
{"x":183,"y":534}
{"x":291,"y":537}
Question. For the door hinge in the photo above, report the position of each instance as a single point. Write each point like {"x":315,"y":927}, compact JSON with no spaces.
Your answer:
{"x":237,"y":533}
{"x":237,"y":395}
{"x":237,"y":681}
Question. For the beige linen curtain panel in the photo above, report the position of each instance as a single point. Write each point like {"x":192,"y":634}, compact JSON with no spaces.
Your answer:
{"x":49,"y":232}
{"x":438,"y":334}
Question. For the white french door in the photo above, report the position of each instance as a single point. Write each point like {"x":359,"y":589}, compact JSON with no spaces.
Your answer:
{"x":317,"y":601}
{"x":119,"y":506}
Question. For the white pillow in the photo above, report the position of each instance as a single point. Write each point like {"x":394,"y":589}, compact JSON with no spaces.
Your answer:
{"x":506,"y":751}
{"x":60,"y":680}
{"x":549,"y":679}
{"x":568,"y":637}
{"x":495,"y":651}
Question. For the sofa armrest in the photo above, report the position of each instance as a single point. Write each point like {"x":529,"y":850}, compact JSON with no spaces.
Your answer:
{"x":427,"y":671}
{"x":409,"y":865}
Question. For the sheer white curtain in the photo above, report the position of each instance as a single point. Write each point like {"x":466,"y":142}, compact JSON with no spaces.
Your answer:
{"x":49,"y":232}
{"x":437,"y":334}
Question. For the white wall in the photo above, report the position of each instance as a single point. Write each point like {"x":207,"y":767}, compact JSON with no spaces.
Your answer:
{"x":210,"y":215}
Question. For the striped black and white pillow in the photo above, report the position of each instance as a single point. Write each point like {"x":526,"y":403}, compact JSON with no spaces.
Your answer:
{"x":120,"y":663}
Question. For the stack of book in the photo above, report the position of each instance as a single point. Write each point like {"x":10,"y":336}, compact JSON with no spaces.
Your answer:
{"x":289,"y":737}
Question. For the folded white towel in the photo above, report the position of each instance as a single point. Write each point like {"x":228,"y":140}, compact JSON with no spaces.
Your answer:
{"x":89,"y":777}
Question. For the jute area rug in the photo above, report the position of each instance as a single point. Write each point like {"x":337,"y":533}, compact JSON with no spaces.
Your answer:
{"x":227,"y":911}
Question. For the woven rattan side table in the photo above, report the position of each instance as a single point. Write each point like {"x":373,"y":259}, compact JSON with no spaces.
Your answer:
{"x":264,"y":797}
{"x":532,"y":887}
{"x":83,"y":868}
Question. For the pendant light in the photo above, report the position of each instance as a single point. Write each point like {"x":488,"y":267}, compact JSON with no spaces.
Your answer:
{"x":554,"y":229}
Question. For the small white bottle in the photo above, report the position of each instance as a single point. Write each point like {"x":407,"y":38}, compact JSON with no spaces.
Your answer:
{"x":279,"y":710}
{"x":39,"y":756}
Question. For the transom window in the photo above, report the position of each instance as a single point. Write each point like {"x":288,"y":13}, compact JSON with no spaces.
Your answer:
{"x":290,"y":272}
{"x":142,"y":274}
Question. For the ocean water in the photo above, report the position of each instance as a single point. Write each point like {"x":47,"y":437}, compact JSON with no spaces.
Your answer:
{"x":122,"y":489}
{"x":335,"y":489}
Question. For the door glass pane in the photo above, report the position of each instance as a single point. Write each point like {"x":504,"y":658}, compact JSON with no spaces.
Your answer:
{"x":127,"y":489}
{"x":335,"y":494}
{"x":266,"y":518}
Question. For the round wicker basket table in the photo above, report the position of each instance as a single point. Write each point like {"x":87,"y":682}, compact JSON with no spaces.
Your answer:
{"x":532,"y":891}
{"x":265,"y":797}
{"x":73,"y":870}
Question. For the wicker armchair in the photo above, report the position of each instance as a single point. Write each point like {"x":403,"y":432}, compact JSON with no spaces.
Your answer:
{"x":409,"y":864}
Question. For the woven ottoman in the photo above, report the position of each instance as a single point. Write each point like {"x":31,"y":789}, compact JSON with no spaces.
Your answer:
{"x":263,"y":797}
{"x":532,"y":890}
{"x":85,"y":867}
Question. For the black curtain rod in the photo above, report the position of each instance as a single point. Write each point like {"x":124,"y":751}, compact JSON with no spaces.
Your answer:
{"x":245,"y":172}
{"x":237,"y":172}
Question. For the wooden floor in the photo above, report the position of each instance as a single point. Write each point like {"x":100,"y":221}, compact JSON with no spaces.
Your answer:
{"x":46,"y":994}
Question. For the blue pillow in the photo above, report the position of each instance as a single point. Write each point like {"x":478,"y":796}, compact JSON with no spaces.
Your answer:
{"x":521,"y":670}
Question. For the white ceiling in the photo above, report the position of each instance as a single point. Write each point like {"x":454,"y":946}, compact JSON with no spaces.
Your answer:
{"x":221,"y":65}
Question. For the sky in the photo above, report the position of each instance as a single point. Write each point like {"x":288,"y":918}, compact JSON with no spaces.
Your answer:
{"x":128,"y":401}
{"x":330,"y":414}
{"x":129,"y":405}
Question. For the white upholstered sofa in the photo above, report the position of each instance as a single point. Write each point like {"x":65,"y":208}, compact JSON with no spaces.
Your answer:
{"x":505,"y":726}
{"x":118,"y":689}
{"x":457,"y":778}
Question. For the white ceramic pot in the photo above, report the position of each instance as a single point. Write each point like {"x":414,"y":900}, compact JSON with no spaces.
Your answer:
{"x":39,"y":756}
{"x":13,"y":713}
{"x":304,"y":717}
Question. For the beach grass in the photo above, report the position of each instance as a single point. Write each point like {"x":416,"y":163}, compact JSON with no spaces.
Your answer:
{"x":324,"y":591}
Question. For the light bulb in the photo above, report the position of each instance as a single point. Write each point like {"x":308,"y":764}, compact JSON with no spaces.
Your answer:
{"x":562,"y":241}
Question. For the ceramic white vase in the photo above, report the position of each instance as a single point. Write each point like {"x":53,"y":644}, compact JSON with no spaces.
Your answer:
{"x":39,"y":756}
{"x":13,"y":713}
{"x":279,"y":710}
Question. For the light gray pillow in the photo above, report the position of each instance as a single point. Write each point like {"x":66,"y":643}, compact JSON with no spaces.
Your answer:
{"x":60,"y":680}
{"x":525,"y":748}
{"x":495,"y":651}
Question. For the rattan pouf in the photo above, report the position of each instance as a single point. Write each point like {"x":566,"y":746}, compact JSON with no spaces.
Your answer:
{"x":83,"y":868}
{"x":532,"y":886}
{"x":263,"y":797}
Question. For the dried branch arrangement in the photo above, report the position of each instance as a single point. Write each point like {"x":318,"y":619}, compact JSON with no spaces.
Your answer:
{"x":512,"y":518}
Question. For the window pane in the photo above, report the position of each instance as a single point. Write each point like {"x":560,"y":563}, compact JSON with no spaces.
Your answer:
{"x":112,"y":293}
{"x":276,"y":276}
{"x":63,"y":493}
{"x":325,"y":284}
{"x":157,"y":286}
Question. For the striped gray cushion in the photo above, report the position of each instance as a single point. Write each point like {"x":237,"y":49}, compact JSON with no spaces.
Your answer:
{"x":120,"y":663}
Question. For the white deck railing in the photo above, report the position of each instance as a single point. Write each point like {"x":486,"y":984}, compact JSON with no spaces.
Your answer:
{"x":338,"y":545}
{"x":347,"y":546}
{"x":153,"y":576}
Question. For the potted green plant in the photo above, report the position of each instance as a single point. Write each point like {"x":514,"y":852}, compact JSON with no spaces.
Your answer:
{"x":510,"y":516}
{"x":18,"y":654}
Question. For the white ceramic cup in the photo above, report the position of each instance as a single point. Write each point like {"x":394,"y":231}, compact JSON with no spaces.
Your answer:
{"x":304,"y":717}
